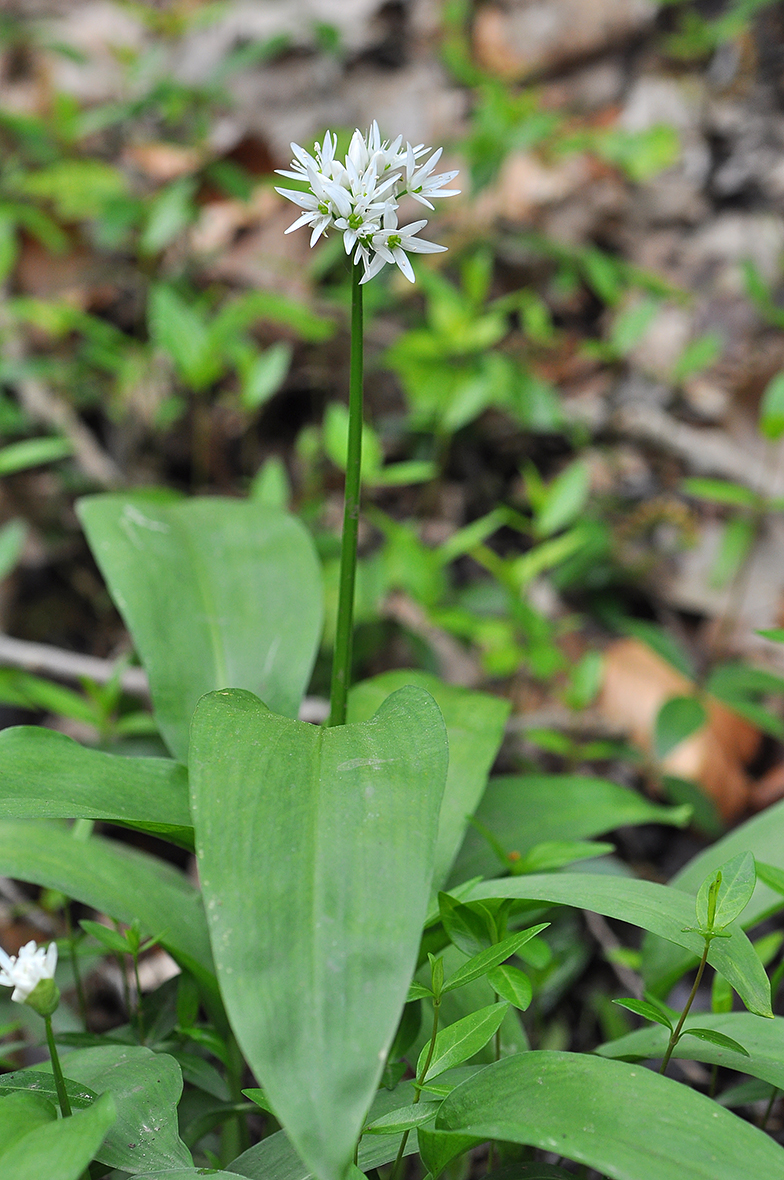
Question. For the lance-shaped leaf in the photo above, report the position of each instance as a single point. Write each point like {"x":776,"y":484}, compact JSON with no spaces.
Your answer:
{"x":733,"y":893}
{"x":60,"y":1150}
{"x":216,"y":593}
{"x":316,"y":852}
{"x":624,"y":1120}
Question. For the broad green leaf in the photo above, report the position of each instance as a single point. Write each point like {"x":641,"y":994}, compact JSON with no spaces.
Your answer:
{"x":438,"y":1148}
{"x":61,"y":1150}
{"x":470,"y":929}
{"x":485,"y":961}
{"x":525,"y":810}
{"x":114,"y":879}
{"x":315,"y":950}
{"x":763,"y":1041}
{"x":216,"y":593}
{"x":33,"y":1081}
{"x":146,"y":1088}
{"x":461,"y":1041}
{"x":404,"y":1119}
{"x":678,"y":719}
{"x":738,"y":878}
{"x":47,"y":775}
{"x":33,"y":452}
{"x":658,"y":908}
{"x":621,"y":1119}
{"x":475,"y":727}
{"x":763,"y":837}
{"x":185,"y":1174}
{"x":511,"y":984}
{"x":646,"y":1010}
{"x":21,"y":1113}
{"x":716,"y":1038}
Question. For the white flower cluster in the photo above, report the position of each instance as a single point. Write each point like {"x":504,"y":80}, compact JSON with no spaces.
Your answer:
{"x":360,"y":196}
{"x":23,"y":972}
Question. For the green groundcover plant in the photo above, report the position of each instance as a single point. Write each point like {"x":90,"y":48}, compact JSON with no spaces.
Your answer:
{"x":333,"y":948}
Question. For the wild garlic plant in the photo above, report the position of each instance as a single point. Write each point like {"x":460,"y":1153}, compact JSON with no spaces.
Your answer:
{"x":346,"y":945}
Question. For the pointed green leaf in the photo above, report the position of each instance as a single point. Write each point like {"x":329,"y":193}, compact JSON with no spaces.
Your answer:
{"x":475,"y":726}
{"x":738,"y":879}
{"x":315,"y":854}
{"x":646,"y":1010}
{"x":404,"y":1119}
{"x":46,"y":775}
{"x":63,"y":1149}
{"x":525,"y":810}
{"x":460,"y":1041}
{"x":33,"y":1081}
{"x":610,"y":1116}
{"x":716,"y":1038}
{"x":485,"y":961}
{"x":658,"y":908}
{"x":511,"y":984}
{"x":471,"y":928}
{"x":216,"y":593}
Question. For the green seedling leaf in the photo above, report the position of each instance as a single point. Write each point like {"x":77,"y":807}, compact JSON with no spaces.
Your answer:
{"x":697,"y":355}
{"x":336,"y":442}
{"x":475,"y":727}
{"x":662,"y":643}
{"x":111,"y":939}
{"x":460,"y":1041}
{"x":737,"y":539}
{"x":404,"y":1119}
{"x":485,"y":961}
{"x":563,"y":500}
{"x":658,"y":908}
{"x":336,"y":928}
{"x":738,"y":878}
{"x":554,"y":854}
{"x":418,"y":992}
{"x":771,"y":419}
{"x":60,"y":1150}
{"x":609,"y":1115}
{"x":523,"y":811}
{"x":763,"y":836}
{"x":646,"y":1010}
{"x":47,"y":775}
{"x":721,"y":491}
{"x":469,"y":928}
{"x":511,"y":984}
{"x":217,"y":593}
{"x":436,"y":974}
{"x":259,"y":1097}
{"x":716,"y":1038}
{"x":678,"y":719}
{"x":771,"y":875}
{"x":12,"y":539}
{"x":264,"y":374}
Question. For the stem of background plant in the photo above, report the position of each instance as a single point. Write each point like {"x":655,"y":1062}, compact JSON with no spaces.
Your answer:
{"x":59,"y":1082}
{"x":235,"y":1137}
{"x":675,"y":1035}
{"x":344,"y":632}
{"x":139,"y":1014}
{"x":395,"y":1173}
{"x":73,"y":942}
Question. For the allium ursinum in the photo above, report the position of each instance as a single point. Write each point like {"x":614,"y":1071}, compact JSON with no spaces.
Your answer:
{"x":31,"y":975}
{"x":359,"y":196}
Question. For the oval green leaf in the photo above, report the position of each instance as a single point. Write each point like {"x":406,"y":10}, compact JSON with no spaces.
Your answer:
{"x":216,"y":593}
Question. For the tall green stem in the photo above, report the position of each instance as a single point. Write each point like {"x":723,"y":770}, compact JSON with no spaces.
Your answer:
{"x":341,"y":667}
{"x":395,"y":1173}
{"x":59,"y":1081}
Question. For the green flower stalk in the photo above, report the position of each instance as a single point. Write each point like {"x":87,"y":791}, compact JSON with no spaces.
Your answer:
{"x":359,"y":197}
{"x":31,"y":975}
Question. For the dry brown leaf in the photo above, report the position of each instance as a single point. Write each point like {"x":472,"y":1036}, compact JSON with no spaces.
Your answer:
{"x":162,"y":162}
{"x":636,"y":684}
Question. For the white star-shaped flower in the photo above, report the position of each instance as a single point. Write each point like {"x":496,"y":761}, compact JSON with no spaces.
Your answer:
{"x":23,"y":972}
